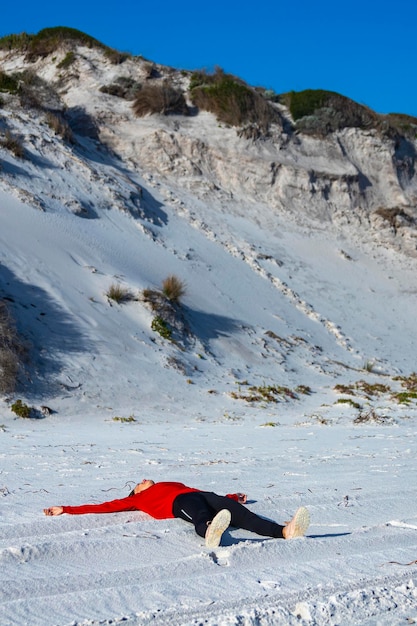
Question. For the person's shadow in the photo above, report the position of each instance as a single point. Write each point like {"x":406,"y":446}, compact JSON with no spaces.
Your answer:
{"x":229,"y":540}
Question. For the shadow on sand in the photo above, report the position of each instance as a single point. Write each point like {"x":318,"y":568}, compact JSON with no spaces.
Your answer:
{"x":47,"y":330}
{"x":208,"y":326}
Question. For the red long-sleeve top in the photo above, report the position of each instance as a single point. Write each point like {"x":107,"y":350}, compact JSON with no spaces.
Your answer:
{"x":157,"y":501}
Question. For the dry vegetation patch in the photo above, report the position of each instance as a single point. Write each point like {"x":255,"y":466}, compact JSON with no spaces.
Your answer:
{"x":162,"y":98}
{"x":60,"y":126}
{"x":268,"y":393}
{"x":395,"y":217}
{"x":118,"y":293}
{"x":406,"y":395}
{"x":371,"y":417}
{"x":14,"y":144}
{"x":173,"y":288}
{"x":11,"y":351}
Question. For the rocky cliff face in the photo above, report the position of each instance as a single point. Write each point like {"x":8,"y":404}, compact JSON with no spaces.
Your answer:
{"x":349,"y":177}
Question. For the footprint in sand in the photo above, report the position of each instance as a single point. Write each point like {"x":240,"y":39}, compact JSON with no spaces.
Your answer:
{"x":220,"y":557}
{"x":269,"y":584}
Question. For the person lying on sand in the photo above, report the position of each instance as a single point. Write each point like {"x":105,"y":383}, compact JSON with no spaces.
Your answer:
{"x":210,"y":513}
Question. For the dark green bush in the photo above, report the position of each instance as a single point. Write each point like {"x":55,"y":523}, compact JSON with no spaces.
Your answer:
{"x":124,"y":87}
{"x":35,"y":92}
{"x":15,"y":42}
{"x":21,"y":409}
{"x":47,"y":41}
{"x":404,"y":124}
{"x":231,"y":100}
{"x":307,"y":102}
{"x":319,"y":112}
{"x":8,"y":83}
{"x":116,"y":57}
{"x":67,"y":60}
{"x":159,"y":325}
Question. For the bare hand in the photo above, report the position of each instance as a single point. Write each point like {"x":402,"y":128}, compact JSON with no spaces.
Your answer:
{"x":242,"y":498}
{"x":54,"y":510}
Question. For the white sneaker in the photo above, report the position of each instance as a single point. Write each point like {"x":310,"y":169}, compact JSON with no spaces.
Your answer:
{"x":216,"y":528}
{"x":297,"y":527}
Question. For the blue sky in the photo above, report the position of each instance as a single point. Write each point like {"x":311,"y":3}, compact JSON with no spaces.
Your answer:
{"x":366,"y":50}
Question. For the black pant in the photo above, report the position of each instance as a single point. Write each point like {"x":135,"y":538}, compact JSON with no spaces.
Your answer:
{"x":199,"y":507}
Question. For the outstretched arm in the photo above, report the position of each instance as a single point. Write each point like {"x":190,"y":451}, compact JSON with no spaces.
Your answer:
{"x":124,"y":504}
{"x":54,"y":510}
{"x":239,"y":497}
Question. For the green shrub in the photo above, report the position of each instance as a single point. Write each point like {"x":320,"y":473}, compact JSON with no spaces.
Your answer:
{"x":124,"y":420}
{"x":265,"y":393}
{"x":163,"y":99}
{"x":404,"y":124}
{"x":319,"y":112}
{"x":113,"y":90}
{"x":369,"y":389}
{"x":306,"y":102}
{"x":21,"y":409}
{"x":47,"y":41}
{"x":115,"y":57}
{"x":349,"y":401}
{"x":8,"y":83}
{"x":173,"y":289}
{"x":15,"y":42}
{"x":160,"y":326}
{"x":35,"y":92}
{"x":231,"y":100}
{"x":67,"y":60}
{"x":124,"y":87}
{"x":404,"y":397}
